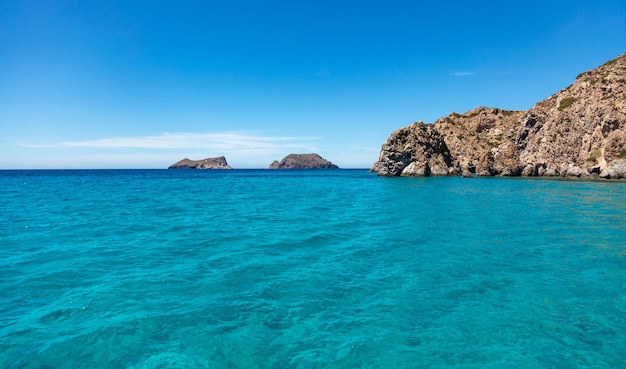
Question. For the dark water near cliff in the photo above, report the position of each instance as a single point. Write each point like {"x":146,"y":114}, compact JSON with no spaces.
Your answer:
{"x":317,"y":269}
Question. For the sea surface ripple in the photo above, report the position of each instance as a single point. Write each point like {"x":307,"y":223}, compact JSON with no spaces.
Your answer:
{"x":309,"y":269}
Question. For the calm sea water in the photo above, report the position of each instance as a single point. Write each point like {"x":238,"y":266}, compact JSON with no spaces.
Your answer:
{"x":309,"y":269}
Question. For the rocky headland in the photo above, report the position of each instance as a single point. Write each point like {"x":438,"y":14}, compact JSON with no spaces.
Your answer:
{"x":208,"y":163}
{"x":578,"y":132}
{"x":302,"y":161}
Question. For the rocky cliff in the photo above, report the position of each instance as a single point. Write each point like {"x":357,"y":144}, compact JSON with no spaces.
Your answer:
{"x":303,"y":161}
{"x":208,"y":163}
{"x":579,"y":131}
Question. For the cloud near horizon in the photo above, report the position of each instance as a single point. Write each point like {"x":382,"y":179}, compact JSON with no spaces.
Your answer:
{"x":223,"y":141}
{"x":243,"y":149}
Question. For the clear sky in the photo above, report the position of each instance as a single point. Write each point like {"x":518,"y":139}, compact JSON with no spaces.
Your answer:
{"x":143,"y":84}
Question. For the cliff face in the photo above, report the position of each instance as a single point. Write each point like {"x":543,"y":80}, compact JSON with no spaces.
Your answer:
{"x":579,"y":131}
{"x":303,"y":161}
{"x":416,"y":150}
{"x":208,"y":163}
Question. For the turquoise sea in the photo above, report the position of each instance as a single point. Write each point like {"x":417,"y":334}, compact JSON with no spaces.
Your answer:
{"x":309,"y":269}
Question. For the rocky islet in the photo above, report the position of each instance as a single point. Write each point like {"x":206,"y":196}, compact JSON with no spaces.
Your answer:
{"x":208,"y":163}
{"x":291,"y":161}
{"x":302,"y":161}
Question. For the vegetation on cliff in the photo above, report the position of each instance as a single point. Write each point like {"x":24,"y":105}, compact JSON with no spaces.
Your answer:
{"x":579,"y":131}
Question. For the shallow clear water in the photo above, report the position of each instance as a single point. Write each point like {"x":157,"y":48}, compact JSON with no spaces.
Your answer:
{"x":309,"y":269}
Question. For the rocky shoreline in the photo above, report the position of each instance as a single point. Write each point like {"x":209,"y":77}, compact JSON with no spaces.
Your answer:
{"x":578,"y":132}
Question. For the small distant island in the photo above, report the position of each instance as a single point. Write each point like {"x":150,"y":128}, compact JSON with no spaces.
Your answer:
{"x":291,"y":161}
{"x":302,"y":161}
{"x":208,"y":163}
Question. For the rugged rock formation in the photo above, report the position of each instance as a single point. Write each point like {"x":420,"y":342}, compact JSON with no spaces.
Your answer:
{"x":482,"y":141}
{"x":579,"y":131}
{"x":302,"y":161}
{"x":416,"y":150}
{"x":208,"y":163}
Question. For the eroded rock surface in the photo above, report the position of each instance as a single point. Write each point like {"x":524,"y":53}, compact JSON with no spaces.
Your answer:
{"x":302,"y":161}
{"x":578,"y":132}
{"x":208,"y":163}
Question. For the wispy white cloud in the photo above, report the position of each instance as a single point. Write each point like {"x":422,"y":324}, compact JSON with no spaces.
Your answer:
{"x":223,"y":142}
{"x":30,"y":145}
{"x":247,"y":149}
{"x":462,"y":73}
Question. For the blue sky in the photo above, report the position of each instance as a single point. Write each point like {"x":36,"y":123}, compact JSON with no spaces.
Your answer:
{"x":143,"y":84}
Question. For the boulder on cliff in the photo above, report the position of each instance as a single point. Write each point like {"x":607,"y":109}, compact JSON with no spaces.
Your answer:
{"x":577,"y":132}
{"x":208,"y":163}
{"x":302,"y":161}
